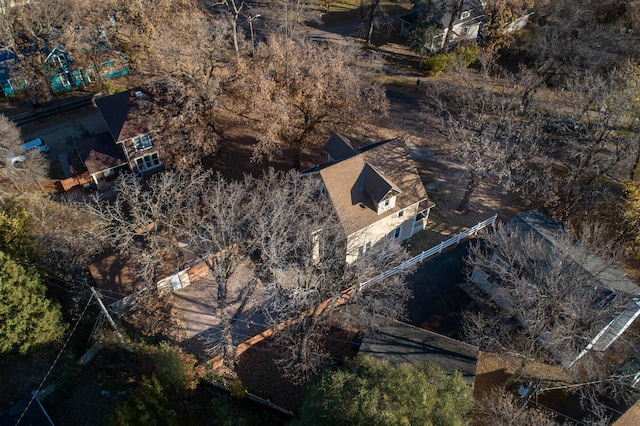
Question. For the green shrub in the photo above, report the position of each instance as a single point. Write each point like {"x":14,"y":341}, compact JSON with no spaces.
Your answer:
{"x":461,"y":56}
{"x":174,"y":367}
{"x":147,"y":406}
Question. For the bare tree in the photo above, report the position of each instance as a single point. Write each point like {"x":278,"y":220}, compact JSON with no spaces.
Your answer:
{"x":547,"y":298}
{"x":7,"y":25}
{"x":145,"y":221}
{"x":90,"y":36}
{"x":498,"y":407}
{"x":18,"y":176}
{"x":593,"y":132}
{"x":302,"y":259}
{"x":218,"y":231}
{"x":181,"y":110}
{"x":234,"y":7}
{"x":293,"y":91}
{"x":492,"y":136}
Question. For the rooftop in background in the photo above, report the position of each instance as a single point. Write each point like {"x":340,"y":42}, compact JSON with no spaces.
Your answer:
{"x":606,"y":272}
{"x":99,"y":153}
{"x":122,"y":113}
{"x":399,"y":343}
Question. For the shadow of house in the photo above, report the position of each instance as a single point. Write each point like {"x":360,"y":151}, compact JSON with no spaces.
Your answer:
{"x":400,"y":343}
{"x":376,"y":191}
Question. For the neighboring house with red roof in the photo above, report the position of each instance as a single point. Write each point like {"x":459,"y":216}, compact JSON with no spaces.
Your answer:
{"x":376,"y":191}
{"x":127,"y":145}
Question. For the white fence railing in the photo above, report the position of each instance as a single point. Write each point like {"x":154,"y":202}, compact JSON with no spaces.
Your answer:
{"x":432,"y":251}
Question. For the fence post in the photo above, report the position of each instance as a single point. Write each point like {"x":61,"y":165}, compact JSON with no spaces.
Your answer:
{"x":459,"y":238}
{"x":440,"y":248}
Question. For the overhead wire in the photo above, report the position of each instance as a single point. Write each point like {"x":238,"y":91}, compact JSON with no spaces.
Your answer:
{"x":34,"y":394}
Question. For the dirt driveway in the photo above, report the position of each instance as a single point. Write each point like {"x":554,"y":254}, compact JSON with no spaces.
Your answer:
{"x":61,"y":132}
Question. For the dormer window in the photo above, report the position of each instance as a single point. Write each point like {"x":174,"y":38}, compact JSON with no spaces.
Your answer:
{"x":465,"y":14}
{"x":388,"y":203}
{"x":142,"y":142}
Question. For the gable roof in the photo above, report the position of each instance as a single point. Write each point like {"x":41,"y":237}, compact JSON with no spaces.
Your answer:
{"x":55,"y":50}
{"x":339,"y":147}
{"x":399,"y":343}
{"x":99,"y":153}
{"x":122,"y":114}
{"x":386,"y":164}
{"x":376,"y":184}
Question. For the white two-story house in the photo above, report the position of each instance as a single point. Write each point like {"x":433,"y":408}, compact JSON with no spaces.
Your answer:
{"x":376,"y":191}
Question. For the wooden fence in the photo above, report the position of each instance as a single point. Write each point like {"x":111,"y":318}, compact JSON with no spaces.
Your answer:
{"x":432,"y":251}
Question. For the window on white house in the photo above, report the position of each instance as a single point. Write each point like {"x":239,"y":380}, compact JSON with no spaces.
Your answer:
{"x":465,"y":14}
{"x":400,"y":214}
{"x":149,"y":161}
{"x":386,"y":203}
{"x":397,"y":232}
{"x":363,"y":248}
{"x":142,"y":142}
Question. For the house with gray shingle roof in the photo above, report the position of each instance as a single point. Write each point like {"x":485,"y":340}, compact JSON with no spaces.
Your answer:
{"x":376,"y":191}
{"x":601,"y":276}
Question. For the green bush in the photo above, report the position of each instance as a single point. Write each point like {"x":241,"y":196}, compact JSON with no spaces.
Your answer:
{"x":461,"y":56}
{"x":174,"y":367}
{"x":28,"y":319}
{"x":147,"y":406}
{"x":372,"y":392}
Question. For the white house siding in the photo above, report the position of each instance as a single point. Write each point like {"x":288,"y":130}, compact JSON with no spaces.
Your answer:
{"x":384,"y":228}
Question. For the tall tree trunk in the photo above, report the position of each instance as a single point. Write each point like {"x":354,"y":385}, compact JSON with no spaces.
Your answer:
{"x":372,"y":15}
{"x":472,"y":184}
{"x":296,"y":157}
{"x":455,"y":12}
{"x":234,"y":27}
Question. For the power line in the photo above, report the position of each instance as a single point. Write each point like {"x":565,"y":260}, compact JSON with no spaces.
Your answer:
{"x":35,"y":393}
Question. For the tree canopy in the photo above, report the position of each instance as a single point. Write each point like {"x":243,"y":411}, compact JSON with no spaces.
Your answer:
{"x":372,"y":392}
{"x":292,"y":91}
{"x":27,"y":318}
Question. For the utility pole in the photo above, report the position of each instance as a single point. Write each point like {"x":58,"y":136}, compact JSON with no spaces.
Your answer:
{"x":253,"y":43}
{"x":106,"y":314}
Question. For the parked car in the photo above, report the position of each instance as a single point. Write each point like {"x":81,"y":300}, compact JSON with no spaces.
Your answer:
{"x":27,"y":149}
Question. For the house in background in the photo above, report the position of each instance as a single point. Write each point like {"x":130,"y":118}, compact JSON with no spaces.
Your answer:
{"x":62,"y":76}
{"x":7,"y":62}
{"x":468,"y":23}
{"x":376,"y":192}
{"x":60,"y":72}
{"x":600,"y":276}
{"x":127,"y":145}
